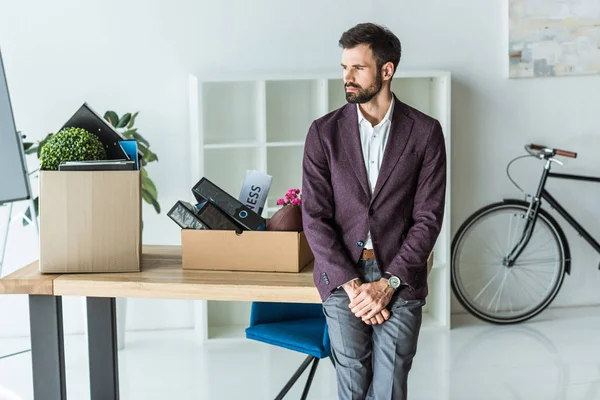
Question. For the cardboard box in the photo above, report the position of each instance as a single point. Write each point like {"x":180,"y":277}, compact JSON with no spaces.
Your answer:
{"x":248,"y":251}
{"x":90,"y":221}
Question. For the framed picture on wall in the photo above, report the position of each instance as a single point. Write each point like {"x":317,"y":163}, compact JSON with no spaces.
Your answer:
{"x":554,"y":38}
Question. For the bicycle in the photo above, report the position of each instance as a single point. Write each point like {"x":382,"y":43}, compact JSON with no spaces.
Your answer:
{"x":509,"y":258}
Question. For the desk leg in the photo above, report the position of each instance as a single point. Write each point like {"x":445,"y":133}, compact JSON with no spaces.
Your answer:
{"x":47,"y":347}
{"x":102,"y":347}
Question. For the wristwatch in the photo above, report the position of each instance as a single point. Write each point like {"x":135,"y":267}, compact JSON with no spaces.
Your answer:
{"x":393,"y":281}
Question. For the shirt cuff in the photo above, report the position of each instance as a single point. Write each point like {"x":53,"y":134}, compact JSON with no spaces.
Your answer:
{"x":347,"y":282}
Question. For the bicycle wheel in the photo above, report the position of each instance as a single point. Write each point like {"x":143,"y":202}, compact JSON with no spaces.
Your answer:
{"x":501,"y":294}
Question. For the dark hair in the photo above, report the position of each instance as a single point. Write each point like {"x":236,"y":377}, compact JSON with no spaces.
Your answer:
{"x":384,"y":44}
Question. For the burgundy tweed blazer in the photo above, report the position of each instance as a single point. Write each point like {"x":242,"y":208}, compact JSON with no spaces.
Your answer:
{"x":404,"y":212}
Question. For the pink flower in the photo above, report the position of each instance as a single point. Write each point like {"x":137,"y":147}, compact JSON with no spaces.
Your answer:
{"x":292,"y":197}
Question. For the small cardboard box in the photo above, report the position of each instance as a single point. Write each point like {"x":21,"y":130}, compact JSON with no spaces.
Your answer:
{"x":249,"y":251}
{"x":90,"y":221}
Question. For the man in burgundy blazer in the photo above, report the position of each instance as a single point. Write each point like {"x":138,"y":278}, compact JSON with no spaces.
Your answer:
{"x":400,"y":212}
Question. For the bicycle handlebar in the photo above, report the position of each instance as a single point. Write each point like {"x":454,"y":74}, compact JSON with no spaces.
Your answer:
{"x":536,"y":147}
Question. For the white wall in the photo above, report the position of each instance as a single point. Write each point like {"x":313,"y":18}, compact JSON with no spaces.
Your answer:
{"x":132,"y":55}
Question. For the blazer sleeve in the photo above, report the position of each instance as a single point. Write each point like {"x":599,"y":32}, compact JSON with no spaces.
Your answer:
{"x":318,"y":214}
{"x":410,"y":263}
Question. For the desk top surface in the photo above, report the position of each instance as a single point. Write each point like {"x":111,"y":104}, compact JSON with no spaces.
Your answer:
{"x":162,"y":277}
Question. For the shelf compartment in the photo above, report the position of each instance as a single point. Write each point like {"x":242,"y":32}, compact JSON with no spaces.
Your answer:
{"x":227,"y":168}
{"x":284,"y":164}
{"x":292,"y":106}
{"x":231,"y":111}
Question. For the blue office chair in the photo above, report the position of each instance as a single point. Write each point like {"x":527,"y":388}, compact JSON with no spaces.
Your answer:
{"x":298,"y":327}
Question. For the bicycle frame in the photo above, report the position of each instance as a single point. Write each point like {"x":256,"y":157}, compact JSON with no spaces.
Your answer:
{"x":535,"y":205}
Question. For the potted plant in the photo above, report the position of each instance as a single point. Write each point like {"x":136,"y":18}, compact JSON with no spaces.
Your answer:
{"x":124,"y":125}
{"x":289,"y":217}
{"x":70,"y":144}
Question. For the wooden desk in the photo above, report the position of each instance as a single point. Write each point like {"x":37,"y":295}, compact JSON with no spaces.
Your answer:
{"x":162,"y":277}
{"x":28,"y":280}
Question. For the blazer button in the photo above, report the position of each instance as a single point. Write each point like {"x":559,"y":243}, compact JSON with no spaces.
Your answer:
{"x":371,"y":211}
{"x":360,"y":244}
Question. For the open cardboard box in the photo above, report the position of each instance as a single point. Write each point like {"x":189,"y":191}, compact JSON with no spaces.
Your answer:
{"x":249,"y":251}
{"x":262,"y":251}
{"x":90,"y":221}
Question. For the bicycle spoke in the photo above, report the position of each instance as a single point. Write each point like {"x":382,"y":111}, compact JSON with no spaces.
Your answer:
{"x":539,"y":248}
{"x":523,"y":287}
{"x":510,"y":233}
{"x":481,"y":264}
{"x":513,"y":241}
{"x":497,"y":241}
{"x":542,"y":261}
{"x":508,"y":298}
{"x":486,"y":246}
{"x":476,"y":281}
{"x":540,"y":270}
{"x":486,"y":286}
{"x":532,"y":277}
{"x":498,"y":292}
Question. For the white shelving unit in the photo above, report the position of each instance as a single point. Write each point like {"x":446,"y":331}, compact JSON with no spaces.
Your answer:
{"x":260,"y":122}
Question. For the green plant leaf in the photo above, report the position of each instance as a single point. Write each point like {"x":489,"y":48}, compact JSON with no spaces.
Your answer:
{"x":149,"y":186}
{"x":132,"y":120}
{"x":149,"y":155}
{"x":151,"y":200}
{"x":36,"y":206}
{"x":139,"y":138}
{"x":30,"y":147}
{"x":43,"y":143}
{"x":124,"y":120}
{"x":129,"y":133}
{"x":112,"y":118}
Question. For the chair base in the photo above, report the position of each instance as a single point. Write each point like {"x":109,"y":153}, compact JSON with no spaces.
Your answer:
{"x":315,"y":363}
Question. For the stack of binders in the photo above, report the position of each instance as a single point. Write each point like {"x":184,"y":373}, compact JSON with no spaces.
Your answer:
{"x":216,"y":210}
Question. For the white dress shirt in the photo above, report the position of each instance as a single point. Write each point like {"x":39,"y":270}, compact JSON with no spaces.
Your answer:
{"x":373,"y":140}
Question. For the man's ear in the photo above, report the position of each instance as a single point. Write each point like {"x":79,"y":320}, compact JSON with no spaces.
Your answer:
{"x":387,"y":70}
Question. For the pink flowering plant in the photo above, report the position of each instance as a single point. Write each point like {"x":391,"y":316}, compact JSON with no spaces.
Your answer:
{"x":293,"y":197}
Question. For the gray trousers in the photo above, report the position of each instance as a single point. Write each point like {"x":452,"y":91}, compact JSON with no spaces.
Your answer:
{"x":372,"y":361}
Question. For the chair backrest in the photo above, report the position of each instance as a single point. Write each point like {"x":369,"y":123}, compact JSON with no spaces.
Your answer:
{"x":266,"y":312}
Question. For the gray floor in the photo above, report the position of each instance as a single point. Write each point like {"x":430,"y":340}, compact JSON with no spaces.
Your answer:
{"x":556,"y":356}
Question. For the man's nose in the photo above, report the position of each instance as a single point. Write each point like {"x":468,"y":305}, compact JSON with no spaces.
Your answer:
{"x":348,"y":76}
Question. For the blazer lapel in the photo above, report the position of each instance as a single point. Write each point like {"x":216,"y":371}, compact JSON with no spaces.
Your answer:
{"x":348,"y":126}
{"x":397,"y":140}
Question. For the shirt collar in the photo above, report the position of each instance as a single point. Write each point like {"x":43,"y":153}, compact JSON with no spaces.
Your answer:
{"x":387,"y":117}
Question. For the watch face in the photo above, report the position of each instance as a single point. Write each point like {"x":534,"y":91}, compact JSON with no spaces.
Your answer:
{"x":394,"y":282}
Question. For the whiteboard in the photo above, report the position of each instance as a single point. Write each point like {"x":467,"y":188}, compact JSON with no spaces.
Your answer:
{"x":14,"y":183}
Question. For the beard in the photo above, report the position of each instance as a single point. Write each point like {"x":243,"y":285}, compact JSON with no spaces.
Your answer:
{"x":364,"y":95}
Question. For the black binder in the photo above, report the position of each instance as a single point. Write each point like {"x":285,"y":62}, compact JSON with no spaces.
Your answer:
{"x":184,"y":215}
{"x":205,"y":190}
